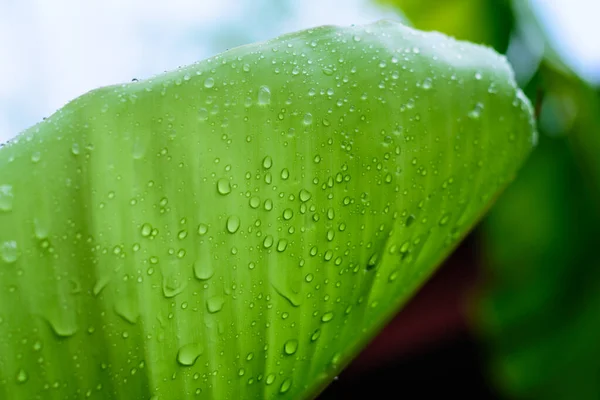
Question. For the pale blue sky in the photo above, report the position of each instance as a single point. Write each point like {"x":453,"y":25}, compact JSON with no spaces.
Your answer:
{"x":54,"y":51}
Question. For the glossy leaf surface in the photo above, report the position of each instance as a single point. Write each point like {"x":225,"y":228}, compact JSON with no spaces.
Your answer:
{"x":240,"y":228}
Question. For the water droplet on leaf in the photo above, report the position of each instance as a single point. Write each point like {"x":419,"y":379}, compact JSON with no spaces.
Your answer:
{"x":444,"y":220}
{"x":22,"y":376}
{"x":233,"y":224}
{"x":254,"y":202}
{"x":285,"y":385}
{"x":288,"y":214}
{"x":203,"y":269}
{"x":264,"y":95}
{"x":146,"y":230}
{"x":215,"y":304}
{"x":304,"y":195}
{"x":173,"y":285}
{"x":372,"y":263}
{"x":188,"y":354}
{"x":267,"y":162}
{"x":209,"y":83}
{"x":308,"y":119}
{"x":427,"y":84}
{"x":328,"y":316}
{"x":202,"y":229}
{"x":6,"y":197}
{"x":9,"y":251}
{"x":223,"y":186}
{"x":290,"y":346}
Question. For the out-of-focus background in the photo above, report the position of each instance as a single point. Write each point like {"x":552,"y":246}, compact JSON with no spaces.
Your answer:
{"x":515,"y":312}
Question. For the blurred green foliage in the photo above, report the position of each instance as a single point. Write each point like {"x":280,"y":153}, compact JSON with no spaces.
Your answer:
{"x":455,"y":17}
{"x":540,"y":309}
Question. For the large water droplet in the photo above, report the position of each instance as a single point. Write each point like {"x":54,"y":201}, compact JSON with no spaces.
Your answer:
{"x":285,"y":385}
{"x":308,"y":119}
{"x":316,"y":334}
{"x":22,"y":376}
{"x":203,"y":269}
{"x":215,"y":304}
{"x":6,"y":197}
{"x":404,"y":248}
{"x":40,"y":229}
{"x":126,"y":309}
{"x":328,"y":316}
{"x":223,"y":186}
{"x":268,"y":242}
{"x":173,"y":285}
{"x":288,"y":214}
{"x":427,"y":84}
{"x":146,"y":230}
{"x":444,"y":220}
{"x":282,"y":245}
{"x":189,"y":353}
{"x":264,"y":95}
{"x":330,"y":235}
{"x":254,"y":202}
{"x":64,"y":326}
{"x":75,"y":149}
{"x":335,"y":360}
{"x":9,"y":251}
{"x":268,"y":204}
{"x":100,"y":285}
{"x":287,"y":294}
{"x":202,"y":229}
{"x":475,"y":113}
{"x":304,"y":195}
{"x":139,"y":148}
{"x":267,"y":162}
{"x":37,"y":346}
{"x":372,"y":263}
{"x":290,"y":346}
{"x":209,"y":83}
{"x":202,"y":114}
{"x":233,"y":224}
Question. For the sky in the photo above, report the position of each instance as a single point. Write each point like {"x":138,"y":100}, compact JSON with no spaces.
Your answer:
{"x":53,"y":51}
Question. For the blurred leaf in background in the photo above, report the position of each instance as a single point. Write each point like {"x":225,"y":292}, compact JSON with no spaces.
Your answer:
{"x":539,"y":310}
{"x":488,"y":22}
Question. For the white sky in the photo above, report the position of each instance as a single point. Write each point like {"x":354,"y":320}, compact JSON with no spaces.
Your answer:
{"x":54,"y":51}
{"x":573,"y":27}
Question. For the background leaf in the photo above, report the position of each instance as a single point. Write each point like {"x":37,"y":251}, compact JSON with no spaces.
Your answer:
{"x":540,"y":312}
{"x":461,"y":19}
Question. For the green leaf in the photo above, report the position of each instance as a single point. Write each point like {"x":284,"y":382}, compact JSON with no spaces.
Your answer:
{"x":540,"y":312}
{"x":240,"y":228}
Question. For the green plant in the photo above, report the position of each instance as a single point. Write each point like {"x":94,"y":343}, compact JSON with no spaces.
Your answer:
{"x":538,"y":311}
{"x":240,"y":228}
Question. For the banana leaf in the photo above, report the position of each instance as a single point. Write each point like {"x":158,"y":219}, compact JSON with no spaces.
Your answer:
{"x":240,"y":228}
